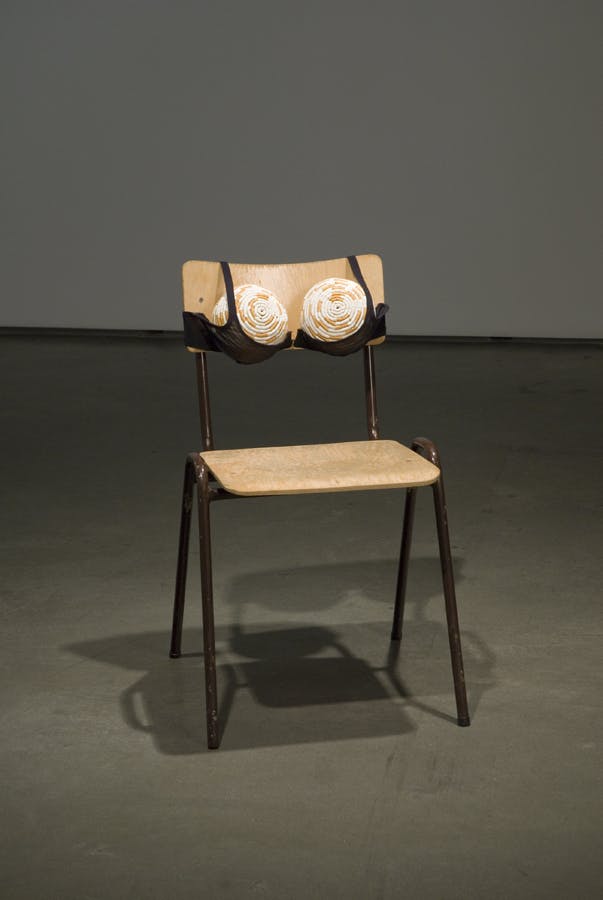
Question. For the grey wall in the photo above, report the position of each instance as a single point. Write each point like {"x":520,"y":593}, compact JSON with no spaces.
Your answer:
{"x":461,"y":140}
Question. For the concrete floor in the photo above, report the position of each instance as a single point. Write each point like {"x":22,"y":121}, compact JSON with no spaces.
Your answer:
{"x":329,"y":782}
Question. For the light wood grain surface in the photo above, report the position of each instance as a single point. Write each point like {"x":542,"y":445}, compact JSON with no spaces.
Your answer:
{"x":203,"y":284}
{"x":320,"y":468}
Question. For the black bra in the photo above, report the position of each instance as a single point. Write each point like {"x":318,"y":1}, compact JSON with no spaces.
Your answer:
{"x":201,"y":333}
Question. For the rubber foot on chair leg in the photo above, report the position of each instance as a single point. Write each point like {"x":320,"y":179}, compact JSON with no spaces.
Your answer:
{"x":174,"y":654}
{"x":464,"y":721}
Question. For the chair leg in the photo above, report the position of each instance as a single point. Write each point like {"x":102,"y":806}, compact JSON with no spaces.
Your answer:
{"x":209,"y":639}
{"x":427,"y":448}
{"x":409,"y":515}
{"x":454,"y":637}
{"x":183,"y":545}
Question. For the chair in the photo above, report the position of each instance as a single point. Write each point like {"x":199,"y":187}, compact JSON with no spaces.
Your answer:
{"x":354,"y":465}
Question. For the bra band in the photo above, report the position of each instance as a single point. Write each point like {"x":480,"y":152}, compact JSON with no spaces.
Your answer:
{"x":230,"y":297}
{"x":360,"y":279}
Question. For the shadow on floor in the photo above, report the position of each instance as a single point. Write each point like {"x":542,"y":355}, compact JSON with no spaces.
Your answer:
{"x":289,"y":684}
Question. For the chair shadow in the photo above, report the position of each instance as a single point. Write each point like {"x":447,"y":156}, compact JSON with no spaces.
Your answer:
{"x":310,"y":683}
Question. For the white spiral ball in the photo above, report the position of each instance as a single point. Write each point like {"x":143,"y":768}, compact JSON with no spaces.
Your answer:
{"x":333,"y":309}
{"x":260,"y":313}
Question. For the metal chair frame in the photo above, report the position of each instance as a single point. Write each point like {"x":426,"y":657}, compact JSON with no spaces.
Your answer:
{"x":196,"y":472}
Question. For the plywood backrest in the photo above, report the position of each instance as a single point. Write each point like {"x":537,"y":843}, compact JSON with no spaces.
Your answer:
{"x":203,"y":283}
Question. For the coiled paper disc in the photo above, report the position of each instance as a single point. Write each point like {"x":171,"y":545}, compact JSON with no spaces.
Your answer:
{"x":333,"y":309}
{"x":261,"y":314}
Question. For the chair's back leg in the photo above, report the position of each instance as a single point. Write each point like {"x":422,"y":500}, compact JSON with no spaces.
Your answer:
{"x":183,"y":545}
{"x":452,"y":619}
{"x":427,"y":448}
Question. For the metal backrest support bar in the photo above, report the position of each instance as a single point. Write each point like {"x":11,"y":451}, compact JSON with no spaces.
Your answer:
{"x":370,"y":391}
{"x":207,"y":438}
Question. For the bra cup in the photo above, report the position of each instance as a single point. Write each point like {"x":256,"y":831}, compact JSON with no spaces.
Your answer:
{"x":333,"y":309}
{"x":260,"y":314}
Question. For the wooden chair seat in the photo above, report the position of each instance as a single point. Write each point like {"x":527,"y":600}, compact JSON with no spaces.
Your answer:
{"x":320,"y":468}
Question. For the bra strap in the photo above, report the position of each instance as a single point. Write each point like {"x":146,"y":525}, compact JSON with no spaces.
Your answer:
{"x":230,"y":297}
{"x":360,"y":279}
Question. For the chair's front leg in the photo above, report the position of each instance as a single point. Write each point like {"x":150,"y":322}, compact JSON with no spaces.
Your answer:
{"x":428,"y":449}
{"x":409,"y":515}
{"x":183,"y":545}
{"x":209,"y":639}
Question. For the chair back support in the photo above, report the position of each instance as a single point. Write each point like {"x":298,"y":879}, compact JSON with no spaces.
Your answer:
{"x":203,"y":283}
